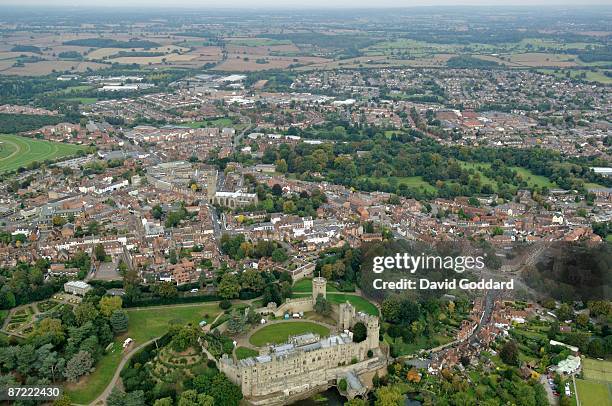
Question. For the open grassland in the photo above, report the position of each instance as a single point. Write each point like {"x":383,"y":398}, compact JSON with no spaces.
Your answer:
{"x":149,"y":322}
{"x":597,"y":370}
{"x":590,"y":76}
{"x":144,"y":324}
{"x":16,"y":151}
{"x":532,"y":179}
{"x":593,"y":393}
{"x":279,"y":333}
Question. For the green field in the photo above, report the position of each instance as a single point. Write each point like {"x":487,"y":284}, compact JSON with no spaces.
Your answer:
{"x":83,"y":100}
{"x":16,"y":151}
{"x":144,"y":325}
{"x":532,"y":179}
{"x":244,"y":352}
{"x":597,"y":370}
{"x":593,"y":393}
{"x":305,"y":285}
{"x":279,"y":333}
{"x":360,"y":303}
{"x":220,"y":122}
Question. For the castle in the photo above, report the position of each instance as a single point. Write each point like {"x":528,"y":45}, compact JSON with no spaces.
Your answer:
{"x":306,"y":363}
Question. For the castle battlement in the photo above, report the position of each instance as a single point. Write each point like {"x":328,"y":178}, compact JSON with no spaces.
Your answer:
{"x":307,"y":361}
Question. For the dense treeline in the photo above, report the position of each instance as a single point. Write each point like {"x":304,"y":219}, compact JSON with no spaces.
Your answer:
{"x":382,"y":163}
{"x":111,"y":43}
{"x":15,"y":123}
{"x":469,"y":62}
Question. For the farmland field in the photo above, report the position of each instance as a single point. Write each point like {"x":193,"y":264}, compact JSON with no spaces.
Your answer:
{"x":16,"y":151}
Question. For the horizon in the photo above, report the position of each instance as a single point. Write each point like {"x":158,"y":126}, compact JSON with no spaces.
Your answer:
{"x":296,"y":5}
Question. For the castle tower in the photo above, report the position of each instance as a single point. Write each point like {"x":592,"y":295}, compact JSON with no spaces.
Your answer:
{"x":347,"y":314}
{"x":318,"y":288}
{"x":373,"y":332}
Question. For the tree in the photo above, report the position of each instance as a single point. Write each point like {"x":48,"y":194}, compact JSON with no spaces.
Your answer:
{"x":510,"y":353}
{"x":279,"y":255}
{"x":342,"y":385}
{"x":356,"y":402}
{"x":360,"y":332}
{"x":108,"y":304}
{"x":389,"y":396}
{"x":80,"y":364}
{"x":596,"y":348}
{"x":225,"y":392}
{"x":100,"y":252}
{"x":322,"y":306}
{"x":391,"y":309}
{"x":119,"y":321}
{"x":229,"y":287}
{"x":565,"y":312}
{"x":166,"y":290}
{"x":252,"y":280}
{"x":85,"y":312}
{"x":64,"y":400}
{"x":164,"y":402}
{"x":277,"y":190}
{"x":192,"y":398}
{"x":157,"y":212}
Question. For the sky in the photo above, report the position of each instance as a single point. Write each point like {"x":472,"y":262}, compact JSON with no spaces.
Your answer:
{"x":299,"y":3}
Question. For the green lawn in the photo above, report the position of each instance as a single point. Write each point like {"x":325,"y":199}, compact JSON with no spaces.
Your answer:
{"x":145,"y":324}
{"x":83,"y":100}
{"x":16,"y":151}
{"x":531,"y":178}
{"x":244,"y":352}
{"x":420,"y":343}
{"x":360,"y":303}
{"x":149,"y":322}
{"x":597,"y":370}
{"x":85,"y":391}
{"x":593,"y":393}
{"x":305,"y":285}
{"x":279,"y":333}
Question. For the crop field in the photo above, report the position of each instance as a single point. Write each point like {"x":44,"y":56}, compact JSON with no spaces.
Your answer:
{"x":16,"y":151}
{"x":257,"y":42}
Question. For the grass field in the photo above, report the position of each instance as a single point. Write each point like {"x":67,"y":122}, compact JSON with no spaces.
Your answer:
{"x":220,"y":122}
{"x":16,"y":151}
{"x":244,"y":352}
{"x":531,"y":178}
{"x":305,"y":285}
{"x":593,"y":393}
{"x":279,"y":333}
{"x":144,"y":324}
{"x":360,"y":303}
{"x":597,"y":370}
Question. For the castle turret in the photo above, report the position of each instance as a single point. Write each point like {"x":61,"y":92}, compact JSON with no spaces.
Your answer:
{"x":319,"y":285}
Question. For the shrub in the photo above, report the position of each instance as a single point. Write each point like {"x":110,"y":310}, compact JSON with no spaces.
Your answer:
{"x":225,"y":304}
